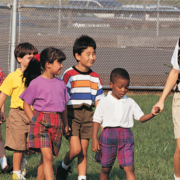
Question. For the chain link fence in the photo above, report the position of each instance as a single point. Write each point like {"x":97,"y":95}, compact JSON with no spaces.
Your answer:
{"x":137,"y":35}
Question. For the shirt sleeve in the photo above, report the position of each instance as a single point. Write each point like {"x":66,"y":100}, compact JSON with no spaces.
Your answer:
{"x":29,"y":95}
{"x":66,"y":78}
{"x":174,"y":59}
{"x":100,"y":92}
{"x":138,"y":113}
{"x":7,"y":85}
{"x":98,"y":114}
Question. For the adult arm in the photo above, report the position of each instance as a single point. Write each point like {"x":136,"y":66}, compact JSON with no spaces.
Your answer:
{"x":171,"y":81}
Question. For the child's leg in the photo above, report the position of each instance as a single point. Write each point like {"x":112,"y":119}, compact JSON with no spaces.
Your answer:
{"x":17,"y":156}
{"x":48,"y":163}
{"x":176,"y":159}
{"x":82,"y":158}
{"x":129,"y":170}
{"x":105,"y":171}
{"x":40,"y":171}
{"x":75,"y":149}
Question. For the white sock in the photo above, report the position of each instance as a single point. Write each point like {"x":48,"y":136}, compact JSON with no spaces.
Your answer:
{"x":64,"y":165}
{"x":3,"y":162}
{"x":175,"y":178}
{"x":81,"y":177}
{"x":17,"y":172}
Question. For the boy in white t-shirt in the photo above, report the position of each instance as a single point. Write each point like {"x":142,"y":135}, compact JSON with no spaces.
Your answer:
{"x":115,"y":113}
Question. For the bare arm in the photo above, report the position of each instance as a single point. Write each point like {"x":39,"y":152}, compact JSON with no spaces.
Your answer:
{"x":171,"y":81}
{"x":2,"y":112}
{"x":95,"y":144}
{"x":146,"y":117}
{"x":28,"y":110}
{"x":65,"y":121}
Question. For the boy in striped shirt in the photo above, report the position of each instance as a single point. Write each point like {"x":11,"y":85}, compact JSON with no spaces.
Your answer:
{"x":84,"y":87}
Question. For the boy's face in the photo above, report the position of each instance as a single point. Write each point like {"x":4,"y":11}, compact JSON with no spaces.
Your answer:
{"x":119,"y":87}
{"x":24,"y":61}
{"x":86,"y":58}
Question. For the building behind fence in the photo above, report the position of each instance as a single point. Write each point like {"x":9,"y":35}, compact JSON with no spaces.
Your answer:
{"x":139,"y":36}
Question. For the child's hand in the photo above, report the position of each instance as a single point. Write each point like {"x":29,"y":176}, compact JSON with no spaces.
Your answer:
{"x":155,"y":110}
{"x":67,"y":131}
{"x":2,"y":117}
{"x":95,"y":146}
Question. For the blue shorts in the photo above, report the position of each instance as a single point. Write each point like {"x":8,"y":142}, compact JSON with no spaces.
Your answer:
{"x":116,"y":142}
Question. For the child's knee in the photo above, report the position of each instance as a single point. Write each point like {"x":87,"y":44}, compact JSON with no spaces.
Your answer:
{"x":129,"y":169}
{"x":48,"y":157}
{"x":76,"y":151}
{"x":106,"y":170}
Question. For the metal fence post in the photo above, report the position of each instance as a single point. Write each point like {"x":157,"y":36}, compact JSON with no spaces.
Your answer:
{"x":13,"y":34}
{"x":158,"y":4}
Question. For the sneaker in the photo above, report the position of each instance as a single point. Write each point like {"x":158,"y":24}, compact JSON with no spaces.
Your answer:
{"x":23,"y":166}
{"x":18,"y":177}
{"x":61,"y":173}
{"x":7,"y":169}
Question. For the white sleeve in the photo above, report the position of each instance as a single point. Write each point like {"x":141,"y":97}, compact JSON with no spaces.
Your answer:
{"x":174,"y":59}
{"x":98,"y":114}
{"x":138,"y":113}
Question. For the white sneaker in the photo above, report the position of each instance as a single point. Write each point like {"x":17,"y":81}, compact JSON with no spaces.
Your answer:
{"x":18,"y":177}
{"x":23,"y":166}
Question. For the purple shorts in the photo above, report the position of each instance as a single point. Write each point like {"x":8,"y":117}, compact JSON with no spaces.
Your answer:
{"x":116,"y":141}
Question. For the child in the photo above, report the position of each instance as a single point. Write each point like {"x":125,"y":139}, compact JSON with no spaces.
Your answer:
{"x":48,"y":95}
{"x":17,"y":124}
{"x":116,"y":112}
{"x":5,"y":168}
{"x":173,"y":80}
{"x":84,"y":87}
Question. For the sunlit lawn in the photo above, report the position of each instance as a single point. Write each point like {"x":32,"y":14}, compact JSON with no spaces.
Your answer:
{"x":154,"y":148}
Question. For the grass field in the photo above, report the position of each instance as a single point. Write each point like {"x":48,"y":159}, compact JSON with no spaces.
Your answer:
{"x":154,"y":148}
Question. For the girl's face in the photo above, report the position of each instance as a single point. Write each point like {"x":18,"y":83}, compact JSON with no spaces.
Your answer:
{"x":55,"y":67}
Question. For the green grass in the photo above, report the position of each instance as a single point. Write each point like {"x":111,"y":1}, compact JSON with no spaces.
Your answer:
{"x":153,"y":154}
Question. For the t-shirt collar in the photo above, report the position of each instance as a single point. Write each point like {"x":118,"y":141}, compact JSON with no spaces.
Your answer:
{"x":114,"y":100}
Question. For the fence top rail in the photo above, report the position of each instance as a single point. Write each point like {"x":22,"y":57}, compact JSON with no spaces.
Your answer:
{"x":116,"y":10}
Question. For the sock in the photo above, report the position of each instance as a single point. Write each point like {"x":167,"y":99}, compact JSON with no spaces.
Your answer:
{"x":64,"y":165}
{"x":81,"y":177}
{"x":175,"y":178}
{"x":3,"y":162}
{"x":17,"y":172}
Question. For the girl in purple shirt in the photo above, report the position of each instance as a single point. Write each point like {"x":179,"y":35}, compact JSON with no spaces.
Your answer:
{"x":48,"y":96}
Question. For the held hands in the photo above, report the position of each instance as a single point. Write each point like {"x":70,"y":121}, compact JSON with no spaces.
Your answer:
{"x":95,"y":145}
{"x":67,"y":130}
{"x":2,"y":118}
{"x":155,"y":110}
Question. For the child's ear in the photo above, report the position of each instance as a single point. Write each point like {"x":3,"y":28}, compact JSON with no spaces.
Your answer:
{"x":77,"y":56}
{"x":19,"y":59}
{"x":110,"y":84}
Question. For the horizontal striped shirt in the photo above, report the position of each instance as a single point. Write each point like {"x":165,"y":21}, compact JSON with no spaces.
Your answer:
{"x":82,"y":87}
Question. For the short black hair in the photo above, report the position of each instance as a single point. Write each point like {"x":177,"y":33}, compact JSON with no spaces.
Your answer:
{"x":83,"y":42}
{"x":24,"y":48}
{"x":49,"y":55}
{"x":119,"y":73}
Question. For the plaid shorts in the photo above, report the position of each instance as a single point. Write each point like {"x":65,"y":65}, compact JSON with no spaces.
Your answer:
{"x":45,"y":131}
{"x":116,"y":142}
